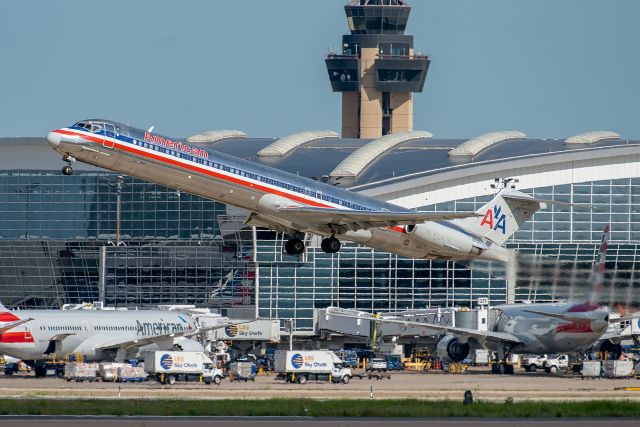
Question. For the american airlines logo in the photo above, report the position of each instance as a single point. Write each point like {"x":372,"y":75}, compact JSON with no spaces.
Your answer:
{"x":495,"y":219}
{"x":175,"y":145}
{"x":158,"y":328}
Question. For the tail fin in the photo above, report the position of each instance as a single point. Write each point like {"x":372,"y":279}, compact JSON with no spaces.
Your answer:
{"x":597,"y":275}
{"x":502,"y":216}
{"x":6,"y":315}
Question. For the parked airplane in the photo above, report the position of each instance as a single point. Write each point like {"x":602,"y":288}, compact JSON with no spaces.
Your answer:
{"x":289,"y":203}
{"x":35,"y":335}
{"x":520,"y":328}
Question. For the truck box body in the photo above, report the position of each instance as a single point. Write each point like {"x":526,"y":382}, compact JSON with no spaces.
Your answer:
{"x":591,"y":368}
{"x":319,"y":361}
{"x":617,"y":368}
{"x":176,"y":362}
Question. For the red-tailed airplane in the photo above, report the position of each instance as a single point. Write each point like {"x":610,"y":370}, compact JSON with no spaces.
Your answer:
{"x":292,"y":204}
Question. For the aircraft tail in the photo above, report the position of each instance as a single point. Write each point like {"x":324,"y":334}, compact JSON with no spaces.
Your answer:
{"x":503,"y":215}
{"x":7,"y":315}
{"x":597,"y":275}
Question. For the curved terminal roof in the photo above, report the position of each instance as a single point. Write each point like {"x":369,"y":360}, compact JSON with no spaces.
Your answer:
{"x":357,"y":161}
{"x":284,"y":146}
{"x":592,"y":137}
{"x":476,"y":145}
{"x":216,"y":135}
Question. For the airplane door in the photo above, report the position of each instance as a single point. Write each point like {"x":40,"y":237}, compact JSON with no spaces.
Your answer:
{"x":109,"y":135}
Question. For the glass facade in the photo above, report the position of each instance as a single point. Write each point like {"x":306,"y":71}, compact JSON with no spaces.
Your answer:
{"x":556,"y":251}
{"x":57,"y":245}
{"x":58,"y":239}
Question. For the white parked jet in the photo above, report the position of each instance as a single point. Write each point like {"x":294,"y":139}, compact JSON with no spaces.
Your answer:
{"x":99,"y":335}
{"x":289,"y":203}
{"x":520,"y":328}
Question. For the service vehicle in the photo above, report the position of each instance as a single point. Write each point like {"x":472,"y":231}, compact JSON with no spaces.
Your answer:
{"x":394,"y":362}
{"x":555,"y":363}
{"x":320,"y":365}
{"x":169,"y":367}
{"x":377,"y":364}
{"x":532,"y":363}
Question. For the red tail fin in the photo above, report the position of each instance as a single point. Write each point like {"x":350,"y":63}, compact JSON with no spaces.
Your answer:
{"x":597,"y":276}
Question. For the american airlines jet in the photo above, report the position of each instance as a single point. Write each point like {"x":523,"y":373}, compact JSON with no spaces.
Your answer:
{"x":99,"y":335}
{"x":292,"y":204}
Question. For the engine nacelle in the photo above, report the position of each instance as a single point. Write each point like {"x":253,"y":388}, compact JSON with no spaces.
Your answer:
{"x":443,"y":238}
{"x":451,"y":350}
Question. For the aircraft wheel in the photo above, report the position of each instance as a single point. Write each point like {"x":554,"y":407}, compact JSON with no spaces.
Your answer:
{"x":171,"y":380}
{"x":330,"y":245}
{"x":67,"y":170}
{"x":294,"y":246}
{"x":509,"y":370}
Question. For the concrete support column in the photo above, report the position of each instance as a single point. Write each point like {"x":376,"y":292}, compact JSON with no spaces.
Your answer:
{"x":370,"y":98}
{"x":350,"y":114}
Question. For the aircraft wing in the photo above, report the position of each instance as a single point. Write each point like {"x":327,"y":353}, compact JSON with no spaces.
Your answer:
{"x":352,"y":219}
{"x":12,"y":325}
{"x":480,"y":336}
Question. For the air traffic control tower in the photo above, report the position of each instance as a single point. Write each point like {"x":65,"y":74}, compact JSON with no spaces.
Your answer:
{"x":378,"y":70}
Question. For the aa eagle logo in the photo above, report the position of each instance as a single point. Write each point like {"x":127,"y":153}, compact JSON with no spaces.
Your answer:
{"x":231,"y":330}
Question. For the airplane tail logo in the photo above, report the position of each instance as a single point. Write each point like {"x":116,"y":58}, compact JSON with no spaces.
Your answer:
{"x":495,"y":219}
{"x":502,"y":216}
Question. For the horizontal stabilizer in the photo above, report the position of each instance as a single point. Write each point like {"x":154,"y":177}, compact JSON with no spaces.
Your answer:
{"x":524,"y":198}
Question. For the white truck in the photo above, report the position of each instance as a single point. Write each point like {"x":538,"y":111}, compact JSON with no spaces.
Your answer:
{"x":168,"y":367}
{"x":551,"y":364}
{"x":320,"y":365}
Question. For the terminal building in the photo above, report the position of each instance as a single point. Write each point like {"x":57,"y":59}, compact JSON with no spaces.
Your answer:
{"x":60,"y":244}
{"x":100,"y":236}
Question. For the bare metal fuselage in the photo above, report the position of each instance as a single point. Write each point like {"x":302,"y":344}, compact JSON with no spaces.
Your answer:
{"x":235,"y":183}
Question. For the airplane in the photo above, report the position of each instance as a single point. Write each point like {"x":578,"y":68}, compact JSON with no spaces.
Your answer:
{"x":295,"y":205}
{"x":99,"y":335}
{"x":539,"y":328}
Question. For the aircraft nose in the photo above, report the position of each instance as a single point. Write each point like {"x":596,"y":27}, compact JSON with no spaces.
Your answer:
{"x":54,"y":139}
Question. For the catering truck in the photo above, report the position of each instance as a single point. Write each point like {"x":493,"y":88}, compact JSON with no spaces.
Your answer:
{"x":168,"y":367}
{"x":320,"y":365}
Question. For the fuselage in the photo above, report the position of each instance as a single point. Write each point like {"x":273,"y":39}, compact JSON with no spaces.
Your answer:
{"x":63,"y":332}
{"x":252,"y":186}
{"x":542,"y":334}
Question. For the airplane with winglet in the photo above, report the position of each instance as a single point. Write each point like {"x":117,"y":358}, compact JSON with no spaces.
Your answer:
{"x":295,"y":205}
{"x":539,"y":328}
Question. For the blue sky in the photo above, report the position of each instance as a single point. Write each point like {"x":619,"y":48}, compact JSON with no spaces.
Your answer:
{"x":550,"y":68}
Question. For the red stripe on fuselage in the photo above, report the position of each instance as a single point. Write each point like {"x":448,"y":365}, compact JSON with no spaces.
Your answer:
{"x":16,"y":337}
{"x":195,"y":168}
{"x":7,"y":316}
{"x":575,"y":328}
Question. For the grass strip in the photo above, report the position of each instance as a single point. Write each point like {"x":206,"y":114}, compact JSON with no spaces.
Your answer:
{"x":320,"y":408}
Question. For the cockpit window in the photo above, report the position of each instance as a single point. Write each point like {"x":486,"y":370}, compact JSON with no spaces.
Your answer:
{"x":96,"y":127}
{"x":84,"y":125}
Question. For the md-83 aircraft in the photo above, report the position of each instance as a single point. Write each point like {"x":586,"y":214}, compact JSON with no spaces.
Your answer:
{"x":292,"y":204}
{"x":99,"y":335}
{"x":543,"y":328}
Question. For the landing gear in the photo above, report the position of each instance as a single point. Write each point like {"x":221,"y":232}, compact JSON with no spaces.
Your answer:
{"x":330,"y":245}
{"x":294,"y":246}
{"x":68,"y":170}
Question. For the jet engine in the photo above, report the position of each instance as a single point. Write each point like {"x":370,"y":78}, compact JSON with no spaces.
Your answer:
{"x":443,"y":239}
{"x":451,"y":350}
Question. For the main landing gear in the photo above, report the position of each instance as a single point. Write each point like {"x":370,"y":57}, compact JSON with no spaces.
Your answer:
{"x":68,"y":170}
{"x":330,"y":245}
{"x":295,"y":245}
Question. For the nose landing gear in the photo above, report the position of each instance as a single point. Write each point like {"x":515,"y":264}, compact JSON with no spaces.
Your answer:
{"x":68,"y":170}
